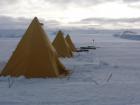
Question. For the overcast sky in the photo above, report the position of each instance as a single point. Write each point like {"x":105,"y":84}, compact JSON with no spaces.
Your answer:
{"x":107,"y":14}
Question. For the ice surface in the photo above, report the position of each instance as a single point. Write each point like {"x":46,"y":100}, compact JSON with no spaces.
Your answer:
{"x":109,"y":75}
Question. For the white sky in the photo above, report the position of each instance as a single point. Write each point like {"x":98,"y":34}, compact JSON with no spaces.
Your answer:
{"x":72,"y":11}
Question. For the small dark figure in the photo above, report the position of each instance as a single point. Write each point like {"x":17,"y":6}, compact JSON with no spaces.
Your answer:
{"x":93,"y":41}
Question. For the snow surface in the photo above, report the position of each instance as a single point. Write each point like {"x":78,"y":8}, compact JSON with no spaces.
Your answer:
{"x":109,"y":75}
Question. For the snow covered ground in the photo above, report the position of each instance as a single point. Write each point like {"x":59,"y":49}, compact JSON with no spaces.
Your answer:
{"x":109,"y":75}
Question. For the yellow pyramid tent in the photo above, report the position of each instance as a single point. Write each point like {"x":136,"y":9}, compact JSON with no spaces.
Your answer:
{"x":34,"y":56}
{"x":61,"y":46}
{"x":69,"y":41}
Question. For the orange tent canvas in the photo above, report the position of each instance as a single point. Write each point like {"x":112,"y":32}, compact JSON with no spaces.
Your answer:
{"x":71,"y":44}
{"x":34,"y":56}
{"x":61,"y":46}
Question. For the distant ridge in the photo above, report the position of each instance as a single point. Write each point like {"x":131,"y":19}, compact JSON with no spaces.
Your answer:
{"x":131,"y":35}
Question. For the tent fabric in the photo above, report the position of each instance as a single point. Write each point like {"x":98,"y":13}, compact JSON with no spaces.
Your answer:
{"x":34,"y":57}
{"x":61,"y":46}
{"x":71,"y":44}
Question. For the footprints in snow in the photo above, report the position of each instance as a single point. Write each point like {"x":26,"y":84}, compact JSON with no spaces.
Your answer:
{"x":105,"y":64}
